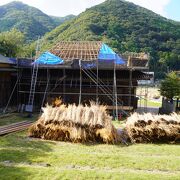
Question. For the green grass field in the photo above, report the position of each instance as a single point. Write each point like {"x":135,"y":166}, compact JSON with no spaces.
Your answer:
{"x":24,"y":158}
{"x":14,"y":118}
{"x":150,"y":103}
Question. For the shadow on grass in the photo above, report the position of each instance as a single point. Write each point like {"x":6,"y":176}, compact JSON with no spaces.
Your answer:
{"x":166,"y":143}
{"x":100,"y":143}
{"x":15,"y":118}
{"x":13,"y":173}
{"x":17,"y":149}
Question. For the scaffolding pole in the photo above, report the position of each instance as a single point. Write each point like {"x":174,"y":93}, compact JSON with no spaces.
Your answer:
{"x":80,"y":84}
{"x":46,"y":89}
{"x":90,"y":94}
{"x":101,"y":85}
{"x":18,"y":86}
{"x":109,"y":95}
{"x":115,"y":91}
{"x":97,"y":79}
{"x":130,"y":80}
{"x":130,"y":86}
{"x":64,"y":82}
{"x":146,"y":98}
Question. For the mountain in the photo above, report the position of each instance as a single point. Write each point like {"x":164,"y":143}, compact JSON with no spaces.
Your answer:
{"x":27,"y":19}
{"x":60,"y":20}
{"x":125,"y":27}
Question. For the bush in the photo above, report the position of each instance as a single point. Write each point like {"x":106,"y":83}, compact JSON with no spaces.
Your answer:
{"x":170,"y":87}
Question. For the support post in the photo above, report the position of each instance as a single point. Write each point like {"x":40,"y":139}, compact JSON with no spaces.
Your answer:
{"x":146,"y":91}
{"x":130,"y":82}
{"x":46,"y":89}
{"x":146,"y":98}
{"x":64,"y":84}
{"x":97,"y":79}
{"x":80,"y":83}
{"x":115,"y":91}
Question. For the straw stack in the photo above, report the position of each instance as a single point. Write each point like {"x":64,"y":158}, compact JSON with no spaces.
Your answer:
{"x":75,"y":123}
{"x":153,"y":128}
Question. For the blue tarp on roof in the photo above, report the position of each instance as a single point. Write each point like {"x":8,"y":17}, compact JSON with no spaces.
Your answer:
{"x":48,"y":58}
{"x":106,"y":53}
{"x":6,"y":60}
{"x":13,"y":60}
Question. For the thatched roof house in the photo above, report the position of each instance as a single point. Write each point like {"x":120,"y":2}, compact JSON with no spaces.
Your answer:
{"x":83,"y":71}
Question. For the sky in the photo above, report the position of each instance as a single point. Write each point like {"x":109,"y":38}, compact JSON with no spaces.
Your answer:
{"x":167,"y":8}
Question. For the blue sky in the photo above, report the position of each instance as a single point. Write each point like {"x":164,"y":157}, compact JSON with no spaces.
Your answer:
{"x":166,"y":8}
{"x":173,"y":10}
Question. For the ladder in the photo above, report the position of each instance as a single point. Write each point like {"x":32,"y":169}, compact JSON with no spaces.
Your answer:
{"x":104,"y":89}
{"x":29,"y":106}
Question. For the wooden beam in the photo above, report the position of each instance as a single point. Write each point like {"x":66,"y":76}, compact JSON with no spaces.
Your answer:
{"x":85,"y":50}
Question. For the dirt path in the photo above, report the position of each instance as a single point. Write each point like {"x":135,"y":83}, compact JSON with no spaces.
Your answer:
{"x":89,"y":168}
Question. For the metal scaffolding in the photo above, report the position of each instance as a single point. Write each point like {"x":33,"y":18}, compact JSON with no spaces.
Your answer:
{"x":88,"y":78}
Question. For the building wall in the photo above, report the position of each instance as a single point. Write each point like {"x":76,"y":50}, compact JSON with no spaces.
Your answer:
{"x":7,"y":81}
{"x":5,"y":88}
{"x":69,"y":87}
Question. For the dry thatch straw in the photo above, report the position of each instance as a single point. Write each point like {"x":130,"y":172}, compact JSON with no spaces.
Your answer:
{"x":153,"y":128}
{"x":75,"y":123}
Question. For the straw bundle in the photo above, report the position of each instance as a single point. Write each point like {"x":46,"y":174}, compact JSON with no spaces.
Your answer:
{"x":153,"y":128}
{"x":75,"y":123}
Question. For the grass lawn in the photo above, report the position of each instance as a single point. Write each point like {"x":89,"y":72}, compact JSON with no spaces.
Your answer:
{"x":14,"y":118}
{"x":149,"y":103}
{"x":25,"y":158}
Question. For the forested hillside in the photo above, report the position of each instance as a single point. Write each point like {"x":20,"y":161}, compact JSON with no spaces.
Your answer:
{"x":125,"y":27}
{"x":29,"y":20}
{"x":121,"y":24}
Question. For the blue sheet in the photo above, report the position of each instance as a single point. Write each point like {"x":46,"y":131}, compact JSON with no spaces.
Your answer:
{"x":49,"y":59}
{"x":106,"y":53}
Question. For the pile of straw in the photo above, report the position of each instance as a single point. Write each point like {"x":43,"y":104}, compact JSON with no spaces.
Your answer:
{"x":75,"y":123}
{"x":153,"y":128}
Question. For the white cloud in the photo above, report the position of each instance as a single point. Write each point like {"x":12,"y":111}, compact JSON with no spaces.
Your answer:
{"x":65,"y":7}
{"x":158,"y":6}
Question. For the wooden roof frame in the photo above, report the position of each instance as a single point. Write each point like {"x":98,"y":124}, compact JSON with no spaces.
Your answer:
{"x":71,"y":50}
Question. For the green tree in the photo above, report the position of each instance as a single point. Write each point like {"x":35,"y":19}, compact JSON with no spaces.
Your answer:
{"x":11,"y":43}
{"x":170,"y":86}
